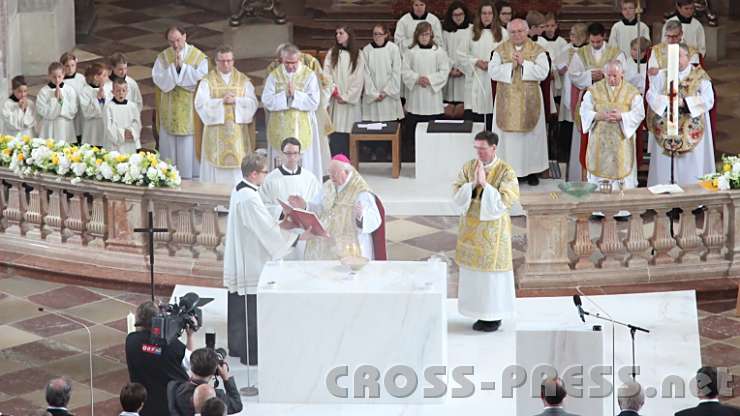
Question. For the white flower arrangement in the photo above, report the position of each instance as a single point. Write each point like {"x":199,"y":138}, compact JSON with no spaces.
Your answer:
{"x":27,"y":156}
{"x":729,"y":178}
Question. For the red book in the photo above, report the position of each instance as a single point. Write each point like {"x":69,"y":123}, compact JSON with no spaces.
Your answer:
{"x":305,"y":219}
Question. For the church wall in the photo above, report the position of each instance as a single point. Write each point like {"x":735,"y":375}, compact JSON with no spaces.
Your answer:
{"x":54,"y":33}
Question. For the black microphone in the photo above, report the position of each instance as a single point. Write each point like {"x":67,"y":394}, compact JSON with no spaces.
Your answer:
{"x":577,"y":302}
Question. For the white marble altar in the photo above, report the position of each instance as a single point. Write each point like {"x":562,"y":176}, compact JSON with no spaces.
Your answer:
{"x":316,"y":316}
{"x":439,"y":156}
{"x":542,"y":348}
{"x":672,"y":348}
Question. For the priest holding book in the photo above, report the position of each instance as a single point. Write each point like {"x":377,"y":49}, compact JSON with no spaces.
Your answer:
{"x":349,"y":212}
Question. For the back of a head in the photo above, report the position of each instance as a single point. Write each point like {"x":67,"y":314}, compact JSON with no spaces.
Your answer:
{"x":631,"y":396}
{"x":535,"y":18}
{"x":203,"y":362}
{"x":144,"y":314}
{"x":552,"y":391}
{"x":132,"y":397}
{"x":58,"y":392}
{"x":707,"y":382}
{"x":213,"y":407}
{"x":201,"y":395}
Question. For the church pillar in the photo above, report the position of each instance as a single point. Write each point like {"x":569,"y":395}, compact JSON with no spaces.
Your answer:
{"x":53,"y":23}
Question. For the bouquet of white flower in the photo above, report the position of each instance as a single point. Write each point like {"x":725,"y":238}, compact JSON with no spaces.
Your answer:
{"x":729,"y":178}
{"x":27,"y":156}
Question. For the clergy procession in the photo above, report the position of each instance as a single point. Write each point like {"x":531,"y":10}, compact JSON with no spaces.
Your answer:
{"x":593,"y":106}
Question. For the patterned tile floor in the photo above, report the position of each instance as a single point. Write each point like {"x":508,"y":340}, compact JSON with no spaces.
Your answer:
{"x":37,"y":344}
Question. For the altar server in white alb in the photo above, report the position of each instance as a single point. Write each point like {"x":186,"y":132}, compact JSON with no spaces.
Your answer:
{"x":176,"y":73}
{"x":406,"y":26}
{"x":286,"y":180}
{"x":253,"y":237}
{"x":381,"y":100}
{"x":483,"y":193}
{"x":119,"y":69}
{"x":19,"y":112}
{"x":56,"y":104}
{"x":695,"y":156}
{"x":122,"y":121}
{"x":424,"y":74}
{"x":627,"y":29}
{"x":486,"y":36}
{"x":76,"y":81}
{"x":693,"y":31}
{"x":456,"y":33}
{"x":518,"y":66}
{"x":226,"y":104}
{"x":345,"y":66}
{"x":92,"y":103}
{"x":292,"y":96}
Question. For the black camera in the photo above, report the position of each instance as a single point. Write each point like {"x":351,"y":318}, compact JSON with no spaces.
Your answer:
{"x":168,"y":324}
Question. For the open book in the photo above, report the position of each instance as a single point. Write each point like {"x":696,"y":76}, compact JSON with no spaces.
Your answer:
{"x":305,"y":219}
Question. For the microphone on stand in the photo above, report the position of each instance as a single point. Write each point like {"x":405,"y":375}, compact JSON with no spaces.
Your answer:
{"x":578,"y":303}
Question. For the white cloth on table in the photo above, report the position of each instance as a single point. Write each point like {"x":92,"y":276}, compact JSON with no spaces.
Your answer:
{"x":17,"y":122}
{"x":253,"y":237}
{"x":57,"y":116}
{"x":478,"y":89}
{"x":691,"y":165}
{"x":348,"y":84}
{"x":432,"y":63}
{"x":117,"y":118}
{"x":525,"y":152}
{"x":382,"y":75}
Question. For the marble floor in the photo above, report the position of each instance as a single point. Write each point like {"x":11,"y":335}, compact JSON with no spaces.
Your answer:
{"x":38,"y":344}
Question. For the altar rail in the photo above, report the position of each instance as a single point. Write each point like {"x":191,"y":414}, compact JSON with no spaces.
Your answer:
{"x":54,"y":229}
{"x":566,"y":250}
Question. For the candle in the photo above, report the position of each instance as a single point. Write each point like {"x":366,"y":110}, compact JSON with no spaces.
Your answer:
{"x":130,"y":321}
{"x":672,"y":90}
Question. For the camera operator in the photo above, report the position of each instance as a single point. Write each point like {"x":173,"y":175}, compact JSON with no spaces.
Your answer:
{"x":152,"y":365}
{"x":204,"y":366}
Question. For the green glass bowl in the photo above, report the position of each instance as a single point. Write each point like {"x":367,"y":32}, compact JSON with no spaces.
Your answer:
{"x":577,"y":189}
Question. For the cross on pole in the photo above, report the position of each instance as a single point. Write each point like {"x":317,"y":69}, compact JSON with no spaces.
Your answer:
{"x":150,"y":230}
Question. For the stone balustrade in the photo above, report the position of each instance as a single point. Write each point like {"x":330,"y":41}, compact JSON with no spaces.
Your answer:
{"x":86,"y":230}
{"x":565,"y":249}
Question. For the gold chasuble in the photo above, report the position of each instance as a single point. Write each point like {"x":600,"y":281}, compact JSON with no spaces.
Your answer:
{"x":225,"y":145}
{"x":660,"y":51}
{"x":175,"y":108}
{"x":519,"y":104}
{"x":609,"y":154}
{"x":690,"y":130}
{"x":485,"y":246}
{"x":586,"y":54}
{"x":337,"y":217}
{"x":290,"y":122}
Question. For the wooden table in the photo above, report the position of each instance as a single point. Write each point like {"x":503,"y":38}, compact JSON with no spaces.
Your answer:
{"x":391,"y":133}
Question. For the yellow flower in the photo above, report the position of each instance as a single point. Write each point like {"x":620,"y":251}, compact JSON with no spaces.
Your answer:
{"x":21,"y":157}
{"x":49,"y":142}
{"x":715,"y":183}
{"x":75,"y":157}
{"x":152,"y":159}
{"x":172,"y":174}
{"x":6,"y":152}
{"x":98,"y":162}
{"x":55,"y":159}
{"x":26,"y":139}
{"x":726,"y":168}
{"x":121,"y":158}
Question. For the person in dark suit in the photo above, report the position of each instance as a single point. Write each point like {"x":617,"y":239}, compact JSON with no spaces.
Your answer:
{"x":708,"y":386}
{"x":552,"y":393}
{"x":58,"y":393}
{"x":631,"y":398}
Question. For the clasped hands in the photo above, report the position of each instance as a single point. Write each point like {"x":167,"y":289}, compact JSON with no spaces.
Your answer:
{"x":518,"y":58}
{"x":424,"y":81}
{"x":611,"y":116}
{"x":480,"y":178}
